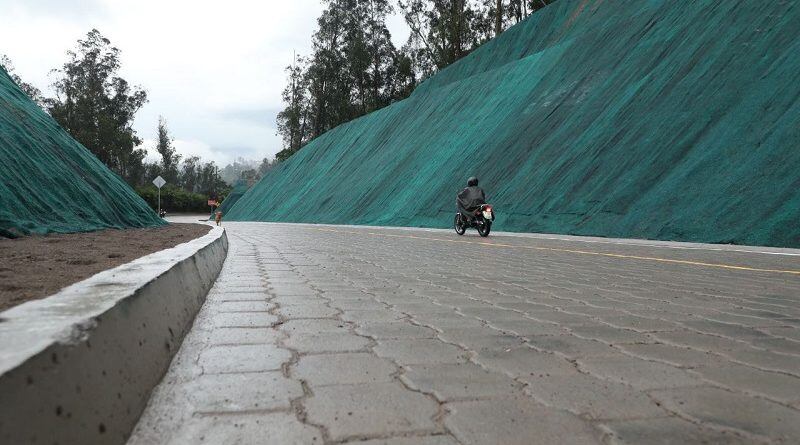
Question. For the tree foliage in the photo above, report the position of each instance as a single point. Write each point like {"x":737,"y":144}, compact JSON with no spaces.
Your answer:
{"x":174,"y":199}
{"x":170,"y":159}
{"x":355,"y":68}
{"x":97,"y":107}
{"x":192,"y":175}
{"x":293,"y":119}
{"x":443,"y":31}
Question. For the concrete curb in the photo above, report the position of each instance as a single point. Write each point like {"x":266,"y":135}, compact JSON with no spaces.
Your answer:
{"x":79,"y":366}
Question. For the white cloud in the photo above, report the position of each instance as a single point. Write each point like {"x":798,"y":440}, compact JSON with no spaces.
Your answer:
{"x":188,"y":148}
{"x":213,"y":68}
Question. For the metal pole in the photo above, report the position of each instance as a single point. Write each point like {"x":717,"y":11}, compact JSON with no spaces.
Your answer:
{"x":159,"y":202}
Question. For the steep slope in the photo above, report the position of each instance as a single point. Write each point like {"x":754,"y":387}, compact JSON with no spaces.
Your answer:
{"x":633,"y":118}
{"x":51,"y":183}
{"x":239,"y":189}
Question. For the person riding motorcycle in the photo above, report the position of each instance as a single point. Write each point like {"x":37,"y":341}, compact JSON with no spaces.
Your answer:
{"x":470,"y":198}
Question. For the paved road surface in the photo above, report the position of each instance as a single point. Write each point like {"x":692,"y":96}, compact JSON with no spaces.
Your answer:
{"x":316,"y":334}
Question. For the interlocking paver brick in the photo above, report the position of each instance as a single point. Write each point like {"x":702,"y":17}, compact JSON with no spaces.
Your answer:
{"x":789,"y":332}
{"x":781,"y":345}
{"x":238,"y":296}
{"x":669,"y":431}
{"x":492,"y":314}
{"x":483,"y":342}
{"x":242,"y":336}
{"x":243,"y":358}
{"x":279,"y":288}
{"x":422,"y":306}
{"x":224,"y":283}
{"x":363,"y":303}
{"x":771,"y":385}
{"x":420,"y":351}
{"x":370,"y":410}
{"x":528,"y":327}
{"x":216,"y":393}
{"x":561,"y":318}
{"x":674,"y":355}
{"x":295,"y":300}
{"x":717,"y":406}
{"x":572,"y":347}
{"x":448,"y":320}
{"x":749,"y":321}
{"x":524,"y":306}
{"x":770,"y":360}
{"x":695,"y":340}
{"x":243,"y":306}
{"x":326,"y":342}
{"x":244,"y":320}
{"x":312,"y":326}
{"x":517,"y":420}
{"x":343,"y":294}
{"x":735,"y":331}
{"x":244,"y":429}
{"x":597,"y":312}
{"x":308,"y":310}
{"x":343,"y":368}
{"x":610,"y":334}
{"x":395,"y":330}
{"x":592,"y":397}
{"x":525,"y":363}
{"x":638,"y":373}
{"x":462,"y":381}
{"x":370,"y":315}
{"x":288,"y":280}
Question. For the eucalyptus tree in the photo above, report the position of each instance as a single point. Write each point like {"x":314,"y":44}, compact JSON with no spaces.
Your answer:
{"x":170,"y":159}
{"x":97,"y":106}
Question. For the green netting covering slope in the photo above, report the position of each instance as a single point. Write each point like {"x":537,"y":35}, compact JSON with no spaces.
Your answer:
{"x":51,"y":183}
{"x":633,"y":118}
{"x":239,"y":189}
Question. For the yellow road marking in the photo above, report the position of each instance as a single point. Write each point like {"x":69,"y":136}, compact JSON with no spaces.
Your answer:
{"x":575,"y":251}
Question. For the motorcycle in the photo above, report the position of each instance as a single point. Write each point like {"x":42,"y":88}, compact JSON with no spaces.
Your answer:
{"x":484,"y":215}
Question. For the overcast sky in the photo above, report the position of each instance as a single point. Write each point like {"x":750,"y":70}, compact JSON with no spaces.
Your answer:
{"x":212,"y":68}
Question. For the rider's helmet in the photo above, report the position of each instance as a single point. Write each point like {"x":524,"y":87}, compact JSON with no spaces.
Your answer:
{"x":472,"y":182}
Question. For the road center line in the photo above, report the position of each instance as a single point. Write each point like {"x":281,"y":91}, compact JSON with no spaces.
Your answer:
{"x":575,"y":251}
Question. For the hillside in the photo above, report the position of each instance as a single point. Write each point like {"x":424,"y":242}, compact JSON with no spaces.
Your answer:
{"x":51,"y":183}
{"x":239,"y":189}
{"x":647,"y":119}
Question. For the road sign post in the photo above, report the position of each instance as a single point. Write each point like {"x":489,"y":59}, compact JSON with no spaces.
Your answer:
{"x":159,"y":182}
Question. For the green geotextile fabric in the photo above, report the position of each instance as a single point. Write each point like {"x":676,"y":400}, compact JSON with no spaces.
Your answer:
{"x":239,"y":189}
{"x":51,"y":183}
{"x":630,"y":118}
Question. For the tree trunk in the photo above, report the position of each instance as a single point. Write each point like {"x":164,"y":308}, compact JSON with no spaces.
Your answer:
{"x":498,"y":18}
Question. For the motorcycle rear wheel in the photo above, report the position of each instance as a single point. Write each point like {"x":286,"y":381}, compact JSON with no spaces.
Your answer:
{"x":483,"y":230}
{"x":458,"y":225}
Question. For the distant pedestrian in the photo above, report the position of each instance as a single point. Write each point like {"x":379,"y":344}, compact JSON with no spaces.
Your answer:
{"x":218,"y":218}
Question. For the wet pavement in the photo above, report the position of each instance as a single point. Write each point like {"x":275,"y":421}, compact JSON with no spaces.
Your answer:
{"x":326,"y":334}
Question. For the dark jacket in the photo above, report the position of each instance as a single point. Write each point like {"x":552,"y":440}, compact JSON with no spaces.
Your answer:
{"x":470,"y":199}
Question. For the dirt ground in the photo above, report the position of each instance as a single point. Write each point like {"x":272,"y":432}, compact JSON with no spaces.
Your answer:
{"x":34,"y":267}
